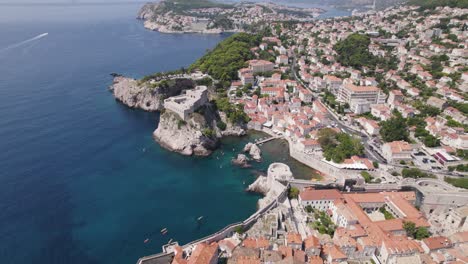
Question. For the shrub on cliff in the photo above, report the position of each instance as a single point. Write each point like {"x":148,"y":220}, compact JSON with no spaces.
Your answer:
{"x":221,"y":125}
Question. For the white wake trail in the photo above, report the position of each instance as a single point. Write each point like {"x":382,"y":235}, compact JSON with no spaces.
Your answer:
{"x":24,"y":42}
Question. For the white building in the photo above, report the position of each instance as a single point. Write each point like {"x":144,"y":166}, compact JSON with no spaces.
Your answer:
{"x":397,"y":151}
{"x":360,"y":98}
{"x":319,"y":199}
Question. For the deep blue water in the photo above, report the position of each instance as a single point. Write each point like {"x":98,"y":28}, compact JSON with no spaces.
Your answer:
{"x":81,"y":179}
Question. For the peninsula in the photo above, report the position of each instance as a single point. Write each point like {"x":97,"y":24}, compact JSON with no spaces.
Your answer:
{"x":204,"y":16}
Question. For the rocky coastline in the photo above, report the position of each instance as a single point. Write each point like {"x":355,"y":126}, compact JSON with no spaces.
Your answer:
{"x":184,"y":137}
{"x":130,"y":93}
{"x":199,"y":135}
{"x":191,"y":137}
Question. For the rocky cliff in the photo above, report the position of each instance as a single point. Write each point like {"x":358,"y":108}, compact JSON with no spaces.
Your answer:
{"x":130,"y":93}
{"x":146,"y":95}
{"x":184,"y":137}
{"x":199,"y":135}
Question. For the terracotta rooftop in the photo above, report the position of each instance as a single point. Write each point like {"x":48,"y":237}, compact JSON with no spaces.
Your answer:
{"x":434,"y":243}
{"x":256,"y":242}
{"x":203,"y":253}
{"x":315,"y":260}
{"x":315,"y":195}
{"x":399,"y":146}
{"x":311,"y":241}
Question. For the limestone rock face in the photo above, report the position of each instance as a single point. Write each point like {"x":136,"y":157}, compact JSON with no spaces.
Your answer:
{"x":254,"y":151}
{"x":231,"y":129}
{"x":247,"y":147}
{"x":269,"y":185}
{"x":131,"y":94}
{"x":241,"y":160}
{"x":184,"y":137}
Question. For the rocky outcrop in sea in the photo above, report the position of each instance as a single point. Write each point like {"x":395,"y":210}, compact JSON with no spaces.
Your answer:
{"x":270,"y":186}
{"x":254,"y":151}
{"x":241,"y":160}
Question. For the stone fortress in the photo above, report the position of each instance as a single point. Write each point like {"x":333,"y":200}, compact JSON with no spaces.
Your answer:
{"x":185,"y":104}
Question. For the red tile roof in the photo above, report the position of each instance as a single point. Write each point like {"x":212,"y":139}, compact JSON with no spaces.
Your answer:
{"x":316,"y":195}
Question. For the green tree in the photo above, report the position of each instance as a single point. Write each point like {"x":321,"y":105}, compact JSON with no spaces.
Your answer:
{"x":367,"y":177}
{"x":394,"y":129}
{"x":354,"y":51}
{"x":339,"y":146}
{"x":422,"y":233}
{"x":293,"y":193}
{"x":410,"y":228}
{"x":221,"y":125}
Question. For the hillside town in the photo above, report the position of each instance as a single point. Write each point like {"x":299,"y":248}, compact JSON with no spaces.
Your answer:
{"x":217,"y":18}
{"x":377,"y":103}
{"x":426,"y":95}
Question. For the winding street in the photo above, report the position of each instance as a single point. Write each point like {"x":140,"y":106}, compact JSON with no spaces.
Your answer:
{"x":371,"y":153}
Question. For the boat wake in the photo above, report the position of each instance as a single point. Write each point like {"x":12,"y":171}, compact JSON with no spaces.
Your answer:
{"x":19,"y":44}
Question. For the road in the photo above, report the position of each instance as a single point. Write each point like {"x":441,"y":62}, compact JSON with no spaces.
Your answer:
{"x":369,"y":149}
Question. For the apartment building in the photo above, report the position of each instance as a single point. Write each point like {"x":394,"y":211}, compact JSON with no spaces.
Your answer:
{"x":261,"y":66}
{"x":360,"y":98}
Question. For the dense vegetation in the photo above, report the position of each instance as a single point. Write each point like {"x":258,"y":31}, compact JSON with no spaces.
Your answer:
{"x":354,"y":51}
{"x":339,"y":146}
{"x":323,"y":223}
{"x":415,"y":232}
{"x":394,"y":129}
{"x":235,"y":113}
{"x":421,"y":133}
{"x":458,"y":182}
{"x":223,"y":62}
{"x":431,"y":4}
{"x":415,"y":173}
{"x":459,"y":167}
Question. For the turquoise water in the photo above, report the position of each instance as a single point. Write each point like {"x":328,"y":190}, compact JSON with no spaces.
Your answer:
{"x":81,"y":179}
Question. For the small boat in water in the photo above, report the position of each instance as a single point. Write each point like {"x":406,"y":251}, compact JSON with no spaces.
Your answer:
{"x":146,"y":240}
{"x":200,"y":218}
